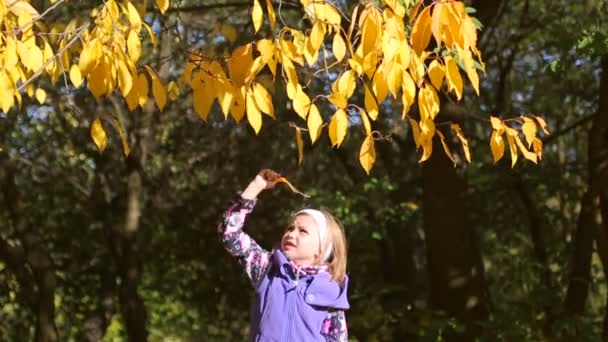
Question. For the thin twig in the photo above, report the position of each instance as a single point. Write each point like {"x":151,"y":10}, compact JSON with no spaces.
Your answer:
{"x":40,"y":16}
{"x":50,"y":60}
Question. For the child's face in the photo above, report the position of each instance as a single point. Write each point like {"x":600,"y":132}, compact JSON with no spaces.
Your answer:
{"x":301,"y":240}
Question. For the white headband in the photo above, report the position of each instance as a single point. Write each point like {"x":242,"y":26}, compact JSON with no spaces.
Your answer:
{"x":321,"y":222}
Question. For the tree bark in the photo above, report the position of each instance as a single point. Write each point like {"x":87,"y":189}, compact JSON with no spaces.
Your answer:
{"x":598,"y":159}
{"x":455,"y":268}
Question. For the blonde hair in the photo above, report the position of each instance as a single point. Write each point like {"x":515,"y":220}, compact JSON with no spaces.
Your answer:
{"x":338,"y":258}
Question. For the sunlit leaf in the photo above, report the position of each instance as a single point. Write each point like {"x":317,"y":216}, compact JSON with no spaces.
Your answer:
{"x":315,"y":122}
{"x":99,"y":136}
{"x":338,"y":127}
{"x":367,"y":154}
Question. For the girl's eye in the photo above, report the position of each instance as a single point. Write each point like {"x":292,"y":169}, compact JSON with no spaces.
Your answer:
{"x":303,"y":231}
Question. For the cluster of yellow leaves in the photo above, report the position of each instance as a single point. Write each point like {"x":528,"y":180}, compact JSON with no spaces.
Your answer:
{"x":375,"y":54}
{"x":384,"y":51}
{"x":107,"y":60}
{"x":532,"y":150}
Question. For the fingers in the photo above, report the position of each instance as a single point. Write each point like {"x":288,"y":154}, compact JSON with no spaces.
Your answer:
{"x":269,"y":175}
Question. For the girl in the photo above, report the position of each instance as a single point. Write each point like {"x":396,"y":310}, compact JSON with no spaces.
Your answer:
{"x":300,"y":287}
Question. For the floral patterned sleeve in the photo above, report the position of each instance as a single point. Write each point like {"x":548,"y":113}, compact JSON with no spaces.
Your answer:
{"x":252,"y":256}
{"x":334,"y":327}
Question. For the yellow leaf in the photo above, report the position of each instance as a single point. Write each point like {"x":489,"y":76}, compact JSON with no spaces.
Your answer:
{"x":263,"y":99}
{"x":469,"y":66}
{"x":98,"y":83}
{"x":427,"y":132}
{"x":417,"y":69}
{"x":134,"y":17}
{"x":436,"y":21}
{"x":370,"y":31}
{"x":452,"y":20}
{"x":339,"y":47}
{"x":31,"y":56}
{"x":163,"y":5}
{"x":396,"y":6}
{"x":150,"y":33}
{"x":394,"y":78}
{"x":123,"y":137}
{"x":497,"y":145}
{"x":75,"y":76}
{"x":428,"y":103}
{"x":202,"y":101}
{"x":436,"y":74}
{"x":317,"y":35}
{"x":10,"y":53}
{"x":421,"y":31}
{"x":272,"y":17}
{"x":370,"y":104}
{"x":463,"y":141}
{"x":284,"y":180}
{"x":338,"y":127}
{"x":338,"y":100}
{"x":158,"y":89}
{"x":142,"y":89}
{"x":300,"y":144}
{"x":497,"y":124}
{"x":125,"y":79}
{"x":345,"y":85}
{"x":415,"y":131}
{"x":367,"y":154}
{"x":289,"y":51}
{"x":7,"y":89}
{"x":310,"y":53}
{"x":370,"y":63}
{"x":391,"y":48}
{"x":531,"y":156}
{"x":414,"y":10}
{"x":366,"y":124}
{"x":453,"y":77}
{"x":446,"y":148}
{"x":89,"y":56}
{"x":315,"y":122}
{"x":408,"y":93}
{"x":404,"y":55}
{"x":173,"y":90}
{"x":537,"y":147}
{"x":40,"y":95}
{"x":510,"y":138}
{"x":301,"y":102}
{"x":529,"y":130}
{"x":257,"y":16}
{"x":98,"y":134}
{"x":267,"y":52}
{"x":542,"y":124}
{"x":47,"y":54}
{"x":379,"y":86}
{"x":237,"y":109}
{"x":324,"y":12}
{"x":254,"y":116}
{"x":240,"y":63}
{"x":134,"y":46}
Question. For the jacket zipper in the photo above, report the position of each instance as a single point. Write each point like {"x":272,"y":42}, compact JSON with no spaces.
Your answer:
{"x":290,"y":306}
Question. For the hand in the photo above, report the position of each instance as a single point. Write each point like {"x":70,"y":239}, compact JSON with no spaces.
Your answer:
{"x":267,"y":178}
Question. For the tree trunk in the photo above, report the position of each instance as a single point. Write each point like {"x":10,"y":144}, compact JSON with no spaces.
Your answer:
{"x":455,"y":268}
{"x":598,"y":159}
{"x":580,"y":264}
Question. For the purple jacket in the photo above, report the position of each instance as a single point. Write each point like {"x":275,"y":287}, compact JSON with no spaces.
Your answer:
{"x":294,"y":308}
{"x":292,"y":303}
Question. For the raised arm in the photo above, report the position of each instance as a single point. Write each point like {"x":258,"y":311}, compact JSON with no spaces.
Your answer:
{"x":251,"y":255}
